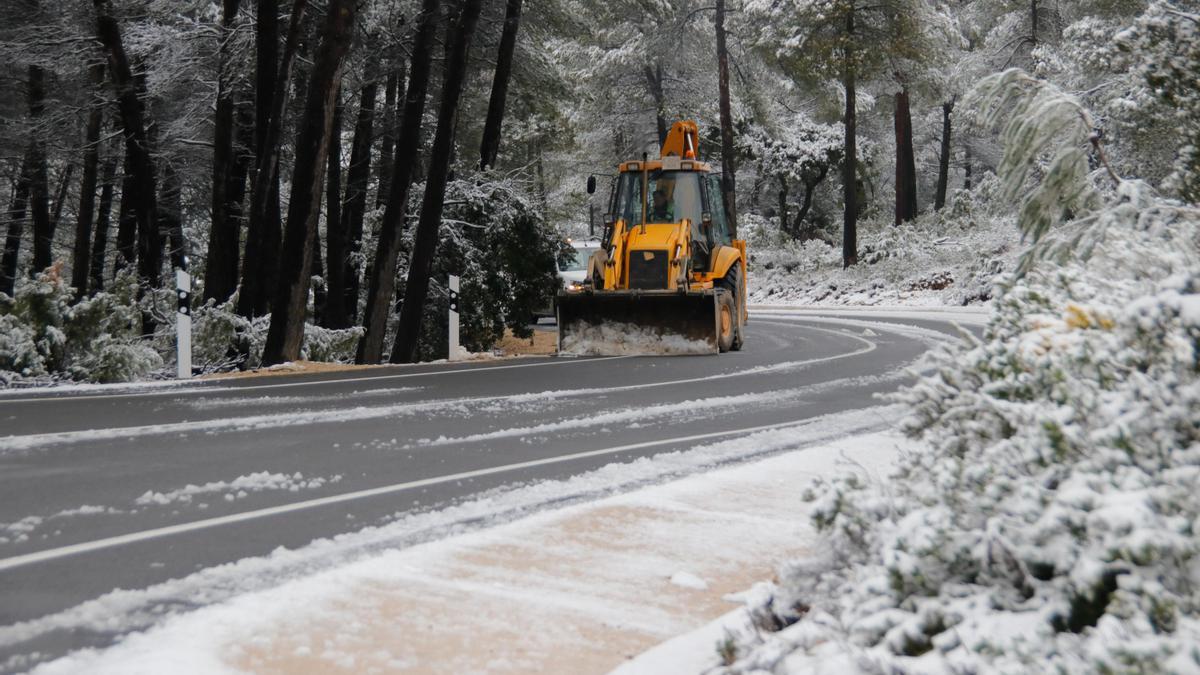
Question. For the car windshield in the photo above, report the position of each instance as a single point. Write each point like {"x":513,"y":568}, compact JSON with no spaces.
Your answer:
{"x":579,"y":262}
{"x":673,"y":196}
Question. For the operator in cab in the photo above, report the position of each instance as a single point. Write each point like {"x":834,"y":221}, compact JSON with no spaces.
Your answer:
{"x":663,"y":211}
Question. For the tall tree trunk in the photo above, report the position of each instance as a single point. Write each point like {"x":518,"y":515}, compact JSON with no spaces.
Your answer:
{"x":100,"y":237}
{"x":260,"y":267}
{"x":382,"y":285}
{"x":80,"y":264}
{"x":939,"y":199}
{"x":141,"y":163}
{"x":906,"y":167}
{"x":728,"y":155}
{"x":171,"y":217}
{"x":39,"y":188}
{"x":391,"y":116}
{"x":16,"y":228}
{"x":850,"y":155}
{"x":967,"y":167}
{"x":654,"y":80}
{"x":60,"y":198}
{"x":417,"y":286}
{"x":783,"y":209}
{"x":286,"y":334}
{"x":358,"y":177}
{"x":220,"y":273}
{"x":333,"y":313}
{"x":810,"y":187}
{"x":127,"y":218}
{"x":490,"y":147}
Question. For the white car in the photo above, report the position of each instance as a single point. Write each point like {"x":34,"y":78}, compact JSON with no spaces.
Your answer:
{"x":572,"y":273}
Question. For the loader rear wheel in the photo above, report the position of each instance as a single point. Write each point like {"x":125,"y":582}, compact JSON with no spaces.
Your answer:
{"x":733,"y":283}
{"x":726,"y":321}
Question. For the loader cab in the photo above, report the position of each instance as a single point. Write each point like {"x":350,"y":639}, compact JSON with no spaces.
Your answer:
{"x":689,"y":194}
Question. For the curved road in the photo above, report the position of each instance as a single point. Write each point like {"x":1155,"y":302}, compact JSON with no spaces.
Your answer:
{"x":131,"y":488}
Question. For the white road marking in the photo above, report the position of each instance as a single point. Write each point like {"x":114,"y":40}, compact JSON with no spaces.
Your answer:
{"x":182,"y":528}
{"x":285,"y":385}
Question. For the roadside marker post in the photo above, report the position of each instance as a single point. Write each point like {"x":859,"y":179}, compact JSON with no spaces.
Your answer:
{"x":453,"y":355}
{"x":183,"y":324}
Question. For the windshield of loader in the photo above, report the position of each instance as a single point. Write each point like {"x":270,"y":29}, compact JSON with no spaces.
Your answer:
{"x":671,"y":196}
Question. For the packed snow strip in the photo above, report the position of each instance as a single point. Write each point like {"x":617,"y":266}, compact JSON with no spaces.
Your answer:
{"x":21,"y":530}
{"x":129,"y":610}
{"x":238,"y":488}
{"x":246,"y":423}
{"x":264,"y":400}
{"x":677,"y":412}
{"x":972,"y":315}
{"x":623,"y":339}
{"x":608,"y":578}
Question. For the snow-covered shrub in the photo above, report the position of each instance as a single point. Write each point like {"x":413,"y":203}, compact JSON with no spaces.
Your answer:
{"x":330,"y":345}
{"x":493,"y":236}
{"x":1052,"y":524}
{"x":42,"y":335}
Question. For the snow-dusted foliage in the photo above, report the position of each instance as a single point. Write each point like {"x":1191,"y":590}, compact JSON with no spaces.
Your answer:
{"x":1165,"y":46}
{"x":44,"y":336}
{"x":223,"y":339}
{"x":1051,"y":523}
{"x":493,"y":237}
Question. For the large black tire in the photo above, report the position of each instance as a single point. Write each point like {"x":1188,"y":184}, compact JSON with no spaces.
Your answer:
{"x":726,"y":321}
{"x":732,"y":282}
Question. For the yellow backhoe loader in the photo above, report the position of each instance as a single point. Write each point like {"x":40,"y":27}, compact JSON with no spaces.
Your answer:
{"x":670,"y":276}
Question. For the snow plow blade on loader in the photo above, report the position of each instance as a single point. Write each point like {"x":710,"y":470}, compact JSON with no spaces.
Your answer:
{"x":620,"y":322}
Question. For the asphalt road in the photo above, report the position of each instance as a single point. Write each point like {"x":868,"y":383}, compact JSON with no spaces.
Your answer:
{"x":129,"y":489}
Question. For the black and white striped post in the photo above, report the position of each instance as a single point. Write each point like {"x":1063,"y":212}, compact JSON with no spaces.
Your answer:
{"x":453,"y":355}
{"x":183,"y":322}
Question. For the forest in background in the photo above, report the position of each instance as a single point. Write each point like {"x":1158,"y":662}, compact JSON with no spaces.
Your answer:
{"x":320,"y":166}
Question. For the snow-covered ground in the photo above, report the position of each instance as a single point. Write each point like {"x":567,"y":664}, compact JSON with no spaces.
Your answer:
{"x":604,"y":578}
{"x":946,"y":259}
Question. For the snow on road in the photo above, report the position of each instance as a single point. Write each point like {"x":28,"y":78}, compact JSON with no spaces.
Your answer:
{"x":600,"y":581}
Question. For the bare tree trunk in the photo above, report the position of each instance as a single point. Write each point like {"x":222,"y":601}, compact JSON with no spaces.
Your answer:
{"x":490,"y":147}
{"x":100,"y":237}
{"x":383,"y":274}
{"x":387,"y":141}
{"x":141,"y":163}
{"x":810,"y":187}
{"x":171,"y":217}
{"x":16,"y":229}
{"x":967,"y":168}
{"x":939,"y":199}
{"x":783,"y":209}
{"x":127,"y":217}
{"x":87,"y":188}
{"x":850,"y":158}
{"x":260,"y":267}
{"x":358,"y":176}
{"x":654,"y":80}
{"x":906,"y":168}
{"x":728,"y":155}
{"x":286,"y":334}
{"x":60,"y":198}
{"x":39,"y":188}
{"x":220,"y":273}
{"x":333,"y":312}
{"x":417,"y":286}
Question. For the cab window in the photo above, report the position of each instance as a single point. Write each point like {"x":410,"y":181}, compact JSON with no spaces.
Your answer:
{"x":721,"y":234}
